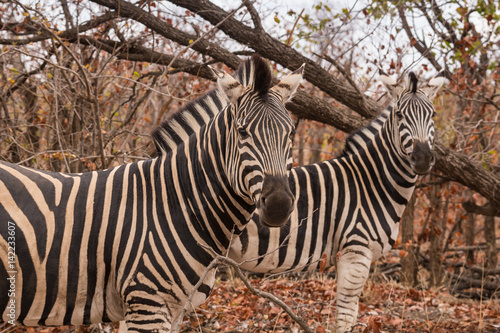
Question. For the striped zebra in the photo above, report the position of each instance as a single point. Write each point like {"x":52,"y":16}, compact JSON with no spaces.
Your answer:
{"x":128,"y":243}
{"x":349,"y":208}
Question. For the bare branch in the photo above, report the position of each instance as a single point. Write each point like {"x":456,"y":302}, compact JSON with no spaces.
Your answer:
{"x":283,"y":54}
{"x":258,"y":292}
{"x":421,"y":47}
{"x":289,"y":41}
{"x":126,"y":9}
{"x":487,"y":209}
{"x":342,"y":71}
{"x":254,"y":15}
{"x":67,"y":14}
{"x":72,"y":33}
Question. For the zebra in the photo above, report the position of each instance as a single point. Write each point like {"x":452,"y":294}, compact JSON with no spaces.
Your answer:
{"x":349,"y":208}
{"x":130,"y":243}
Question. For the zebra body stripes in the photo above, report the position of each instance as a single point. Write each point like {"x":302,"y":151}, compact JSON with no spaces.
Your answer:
{"x":351,"y":205}
{"x":124,"y":243}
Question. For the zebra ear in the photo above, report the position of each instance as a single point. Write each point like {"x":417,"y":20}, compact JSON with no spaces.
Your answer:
{"x":392,"y":86}
{"x":229,"y":85}
{"x":287,"y":87}
{"x":431,"y":88}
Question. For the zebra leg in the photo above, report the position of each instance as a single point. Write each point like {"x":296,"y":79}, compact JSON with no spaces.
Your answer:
{"x":147,"y":315}
{"x":353,"y":268}
{"x":149,"y":307}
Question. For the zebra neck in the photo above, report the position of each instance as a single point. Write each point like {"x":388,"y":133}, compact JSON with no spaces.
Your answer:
{"x":397,"y":170}
{"x":198,"y":183}
{"x":390,"y":134}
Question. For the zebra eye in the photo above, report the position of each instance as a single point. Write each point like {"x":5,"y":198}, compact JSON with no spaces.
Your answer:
{"x":292,"y":134}
{"x":243,"y":132}
{"x":399,"y":114}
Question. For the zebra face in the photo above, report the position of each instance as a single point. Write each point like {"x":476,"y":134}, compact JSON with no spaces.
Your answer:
{"x":413,"y":111}
{"x":415,"y":114}
{"x":260,"y":136}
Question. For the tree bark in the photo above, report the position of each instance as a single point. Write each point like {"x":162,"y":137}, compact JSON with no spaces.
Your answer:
{"x":436,"y":225}
{"x":489,"y":236}
{"x":409,"y":263}
{"x":470,"y":234}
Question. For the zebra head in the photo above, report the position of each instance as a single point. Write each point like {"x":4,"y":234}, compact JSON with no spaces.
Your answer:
{"x":260,"y":132}
{"x":413,"y":111}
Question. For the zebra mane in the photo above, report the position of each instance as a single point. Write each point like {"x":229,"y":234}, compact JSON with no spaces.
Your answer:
{"x":254,"y":72}
{"x":412,"y":82}
{"x":177,"y":128}
{"x":358,"y":139}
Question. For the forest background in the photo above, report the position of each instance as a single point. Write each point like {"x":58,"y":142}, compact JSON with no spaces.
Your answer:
{"x":84,"y":82}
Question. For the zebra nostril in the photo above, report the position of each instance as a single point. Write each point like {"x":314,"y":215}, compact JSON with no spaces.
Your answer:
{"x":413,"y":159}
{"x":433,"y":159}
{"x":263,"y":202}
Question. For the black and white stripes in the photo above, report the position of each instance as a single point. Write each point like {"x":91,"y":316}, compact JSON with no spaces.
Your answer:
{"x":125,"y":243}
{"x":349,"y":208}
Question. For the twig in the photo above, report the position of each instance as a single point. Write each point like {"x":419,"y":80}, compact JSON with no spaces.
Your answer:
{"x":254,"y":15}
{"x":344,"y":73}
{"x":467,"y":248}
{"x":293,"y":28}
{"x":203,"y":36}
{"x":258,"y":292}
{"x":213,"y":264}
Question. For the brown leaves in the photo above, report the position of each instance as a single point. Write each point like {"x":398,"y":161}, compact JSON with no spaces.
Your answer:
{"x":374,"y":325}
{"x":322,"y":263}
{"x":320,"y":329}
{"x":383,"y":308}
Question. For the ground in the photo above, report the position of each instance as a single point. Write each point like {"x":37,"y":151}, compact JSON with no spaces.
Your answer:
{"x":384,"y":307}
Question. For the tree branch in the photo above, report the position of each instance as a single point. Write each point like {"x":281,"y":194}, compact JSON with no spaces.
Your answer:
{"x":421,"y":47}
{"x":487,"y":209}
{"x":256,"y":291}
{"x":126,"y":9}
{"x":254,"y":15}
{"x":71,"y":33}
{"x":283,"y":54}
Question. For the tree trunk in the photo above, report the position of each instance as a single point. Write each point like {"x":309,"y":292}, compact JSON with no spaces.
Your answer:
{"x":437,"y":230}
{"x":489,"y":235}
{"x":469,"y":229}
{"x":409,"y":262}
{"x":30,"y":100}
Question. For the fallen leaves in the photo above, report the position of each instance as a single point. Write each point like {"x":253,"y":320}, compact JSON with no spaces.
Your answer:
{"x":384,"y":307}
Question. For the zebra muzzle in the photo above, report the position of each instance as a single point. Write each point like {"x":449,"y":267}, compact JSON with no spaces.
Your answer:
{"x":422,"y":158}
{"x":276,"y":202}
